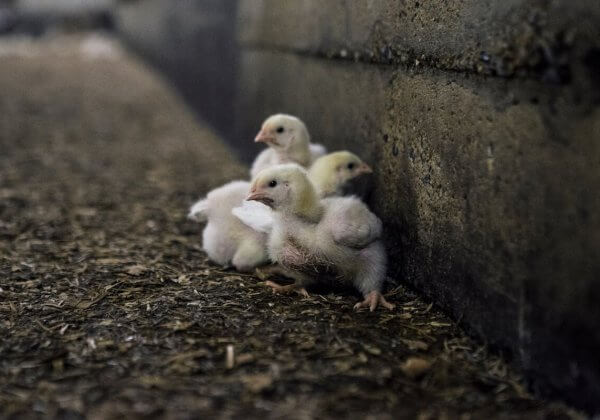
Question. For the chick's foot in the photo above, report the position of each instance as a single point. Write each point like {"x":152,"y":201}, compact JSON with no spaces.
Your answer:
{"x":277,"y":288}
{"x":372,"y":300}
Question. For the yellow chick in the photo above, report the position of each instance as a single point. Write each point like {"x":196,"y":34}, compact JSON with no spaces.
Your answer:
{"x":330,"y":173}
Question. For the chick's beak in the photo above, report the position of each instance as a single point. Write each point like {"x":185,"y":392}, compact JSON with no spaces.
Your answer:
{"x":363,"y":168}
{"x":260,"y":196}
{"x":263,"y":136}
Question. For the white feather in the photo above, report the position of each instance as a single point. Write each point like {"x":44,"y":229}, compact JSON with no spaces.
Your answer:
{"x":255,"y":215}
{"x":198,"y":212}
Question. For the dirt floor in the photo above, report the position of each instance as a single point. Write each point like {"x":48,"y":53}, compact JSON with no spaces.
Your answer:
{"x":109,"y":308}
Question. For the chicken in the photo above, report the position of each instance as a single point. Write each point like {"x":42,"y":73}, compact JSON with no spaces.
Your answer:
{"x":311,"y":237}
{"x":225,"y":239}
{"x":227,"y":242}
{"x":329,"y":174}
{"x":288,"y":141}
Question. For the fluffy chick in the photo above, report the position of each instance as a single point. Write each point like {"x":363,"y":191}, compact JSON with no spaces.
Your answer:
{"x":225,"y":239}
{"x":313,"y":236}
{"x":227,"y":242}
{"x":330,"y":173}
{"x":288,"y":141}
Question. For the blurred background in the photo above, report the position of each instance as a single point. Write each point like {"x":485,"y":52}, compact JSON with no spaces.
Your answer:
{"x":481,"y":118}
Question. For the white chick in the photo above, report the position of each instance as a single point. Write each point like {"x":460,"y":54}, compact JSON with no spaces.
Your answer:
{"x":226,"y":242}
{"x":288,"y":141}
{"x":313,"y":236}
{"x":225,"y":239}
{"x":329,"y":174}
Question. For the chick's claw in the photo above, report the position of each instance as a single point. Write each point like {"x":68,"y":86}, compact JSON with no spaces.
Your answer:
{"x":372,"y":300}
{"x":277,"y":288}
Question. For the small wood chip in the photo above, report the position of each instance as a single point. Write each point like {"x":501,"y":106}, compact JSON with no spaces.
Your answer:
{"x":415,"y":367}
{"x":136,"y":270}
{"x":415,"y":344}
{"x":257,"y":383}
{"x":229,"y":357}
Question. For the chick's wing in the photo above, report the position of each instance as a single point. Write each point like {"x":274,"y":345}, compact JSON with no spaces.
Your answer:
{"x":352,"y":223}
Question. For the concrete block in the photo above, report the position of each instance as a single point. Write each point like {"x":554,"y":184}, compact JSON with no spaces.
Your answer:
{"x":540,"y":39}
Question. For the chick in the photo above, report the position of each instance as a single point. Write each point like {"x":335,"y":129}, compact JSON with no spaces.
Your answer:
{"x":288,"y":141}
{"x":225,"y":239}
{"x":329,"y":175}
{"x":226,"y":242}
{"x":338,"y":236}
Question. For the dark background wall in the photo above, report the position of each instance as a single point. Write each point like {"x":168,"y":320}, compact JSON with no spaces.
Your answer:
{"x":194,"y":43}
{"x":482,"y":119}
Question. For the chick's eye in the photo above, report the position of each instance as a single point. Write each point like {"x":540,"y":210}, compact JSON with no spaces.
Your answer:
{"x":273,"y":183}
{"x":351,"y":165}
{"x":280,"y":129}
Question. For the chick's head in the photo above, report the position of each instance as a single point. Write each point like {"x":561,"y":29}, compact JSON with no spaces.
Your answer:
{"x":286,"y":188}
{"x":283,"y":132}
{"x":332,"y":171}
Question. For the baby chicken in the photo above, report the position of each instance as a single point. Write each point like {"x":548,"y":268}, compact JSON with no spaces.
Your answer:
{"x":288,"y":141}
{"x":338,"y":236}
{"x":225,"y":239}
{"x":226,"y":242}
{"x":329,"y":175}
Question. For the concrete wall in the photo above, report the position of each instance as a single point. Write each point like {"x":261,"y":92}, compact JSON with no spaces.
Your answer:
{"x":483,"y":121}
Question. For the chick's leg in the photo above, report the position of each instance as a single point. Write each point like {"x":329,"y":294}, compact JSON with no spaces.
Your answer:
{"x":370,"y":277}
{"x":300,"y":281}
{"x":373,"y":299}
{"x":289,"y":288}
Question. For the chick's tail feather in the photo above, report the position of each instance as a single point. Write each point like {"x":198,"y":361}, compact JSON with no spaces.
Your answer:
{"x":199,"y":211}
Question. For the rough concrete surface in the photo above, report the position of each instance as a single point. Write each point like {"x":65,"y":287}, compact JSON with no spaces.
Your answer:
{"x":506,"y":38}
{"x":109,"y":308}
